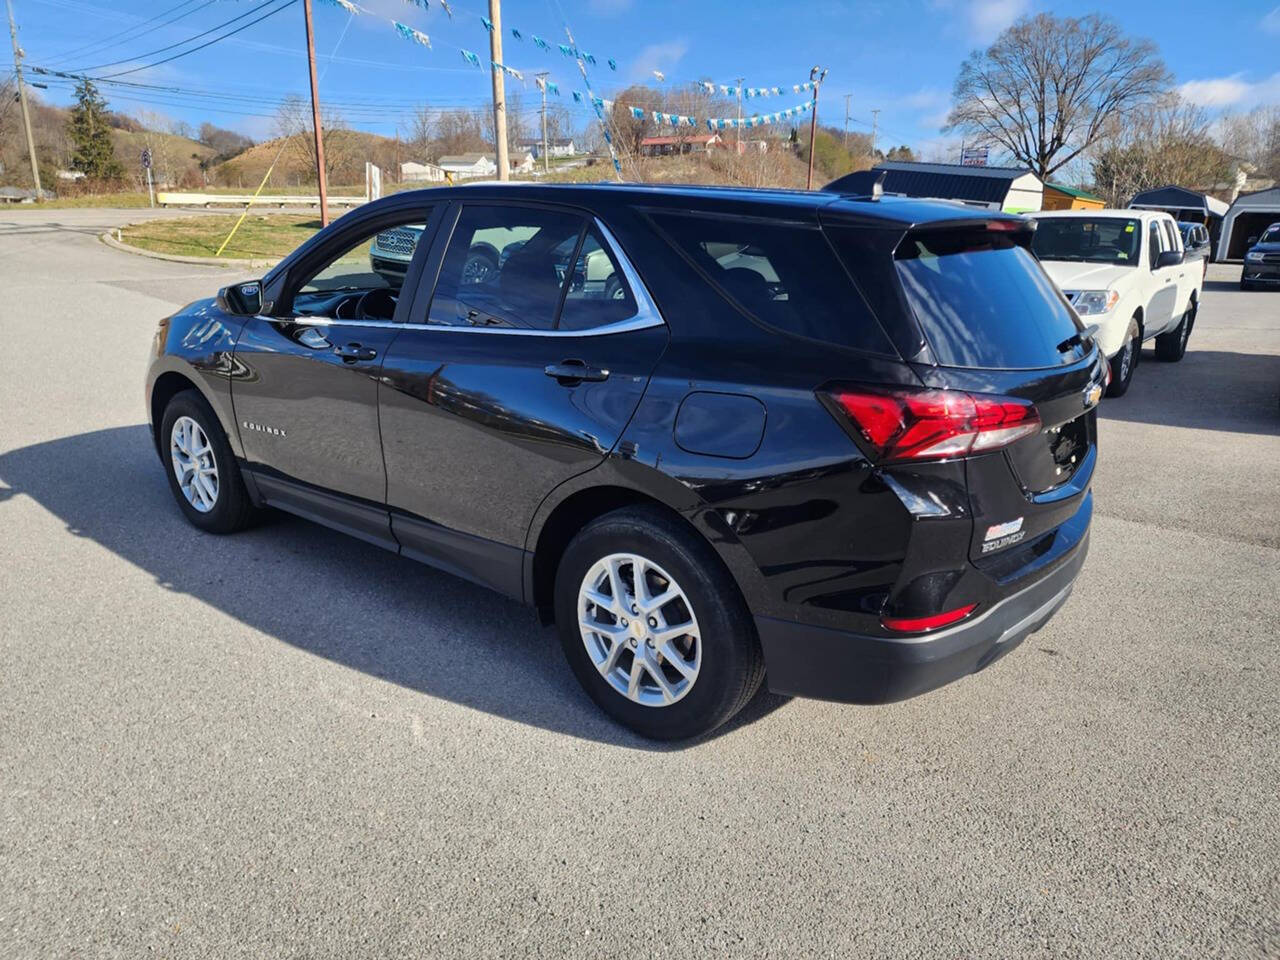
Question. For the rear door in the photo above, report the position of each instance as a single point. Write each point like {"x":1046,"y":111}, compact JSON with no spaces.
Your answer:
{"x":517,"y":372}
{"x":996,"y":325}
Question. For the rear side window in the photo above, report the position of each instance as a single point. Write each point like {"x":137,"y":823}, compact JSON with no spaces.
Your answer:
{"x":783,"y":275}
{"x":984,"y":301}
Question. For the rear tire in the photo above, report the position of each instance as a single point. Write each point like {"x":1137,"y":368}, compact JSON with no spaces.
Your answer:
{"x":1172,"y":346}
{"x":720,"y":664}
{"x":211,"y":491}
{"x":1126,"y":361}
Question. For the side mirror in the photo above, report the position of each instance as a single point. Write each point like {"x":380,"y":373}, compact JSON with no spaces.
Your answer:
{"x":1170,"y":258}
{"x":1252,"y":241}
{"x":242,"y":299}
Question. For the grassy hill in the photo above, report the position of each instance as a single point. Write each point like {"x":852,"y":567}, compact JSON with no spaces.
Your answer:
{"x":345,"y":154}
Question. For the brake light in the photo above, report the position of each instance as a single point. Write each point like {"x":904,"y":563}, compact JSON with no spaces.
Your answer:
{"x":921,"y":624}
{"x":905,"y":424}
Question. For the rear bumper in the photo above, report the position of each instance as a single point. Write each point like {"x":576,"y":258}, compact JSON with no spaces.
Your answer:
{"x":813,"y":661}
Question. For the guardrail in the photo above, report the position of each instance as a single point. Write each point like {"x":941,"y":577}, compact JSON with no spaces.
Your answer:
{"x":239,"y":200}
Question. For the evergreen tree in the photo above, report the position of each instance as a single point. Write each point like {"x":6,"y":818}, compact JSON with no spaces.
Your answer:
{"x":95,"y":155}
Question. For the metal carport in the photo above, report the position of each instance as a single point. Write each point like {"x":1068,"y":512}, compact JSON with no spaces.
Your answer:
{"x":1248,"y":217}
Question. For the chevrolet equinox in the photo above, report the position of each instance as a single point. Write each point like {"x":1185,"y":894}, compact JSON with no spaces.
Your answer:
{"x":715,"y":435}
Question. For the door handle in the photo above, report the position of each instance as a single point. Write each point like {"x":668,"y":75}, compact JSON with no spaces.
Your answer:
{"x":570,"y":372}
{"x":352,"y":352}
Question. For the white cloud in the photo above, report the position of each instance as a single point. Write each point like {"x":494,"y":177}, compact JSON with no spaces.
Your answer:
{"x":608,"y":8}
{"x":987,"y":18}
{"x":1232,"y":91}
{"x":1271,"y":22}
{"x":657,"y":56}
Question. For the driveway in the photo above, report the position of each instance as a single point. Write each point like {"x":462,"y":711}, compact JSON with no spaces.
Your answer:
{"x":288,"y":743}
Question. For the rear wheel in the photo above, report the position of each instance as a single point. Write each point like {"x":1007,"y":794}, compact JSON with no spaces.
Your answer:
{"x":1172,"y":346}
{"x":1124,"y":362}
{"x":654,"y":627}
{"x":203,"y":474}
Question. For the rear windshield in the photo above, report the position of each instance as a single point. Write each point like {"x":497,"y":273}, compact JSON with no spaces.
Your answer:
{"x":984,"y":301}
{"x":1104,"y":240}
{"x":784,"y":275}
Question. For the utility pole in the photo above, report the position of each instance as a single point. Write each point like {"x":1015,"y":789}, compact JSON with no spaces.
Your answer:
{"x":816,"y":76}
{"x":499,"y":91}
{"x":541,"y":79}
{"x":847,"y":97}
{"x":737,"y":138}
{"x":315,"y":117}
{"x":875,"y":124}
{"x":22,"y":98}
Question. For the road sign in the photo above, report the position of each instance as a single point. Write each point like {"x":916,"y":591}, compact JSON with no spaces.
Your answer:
{"x":146,"y":159}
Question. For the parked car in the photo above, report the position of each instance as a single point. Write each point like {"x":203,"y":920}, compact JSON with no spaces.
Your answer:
{"x":841,"y":443}
{"x":1126,"y":271}
{"x":1195,"y":240}
{"x":1262,"y":260}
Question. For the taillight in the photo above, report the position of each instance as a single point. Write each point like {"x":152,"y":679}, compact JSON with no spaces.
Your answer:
{"x":921,"y":624}
{"x":900,"y":423}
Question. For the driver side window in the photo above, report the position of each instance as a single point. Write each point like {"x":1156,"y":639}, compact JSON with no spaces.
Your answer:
{"x":370,"y":269}
{"x":1153,"y":243}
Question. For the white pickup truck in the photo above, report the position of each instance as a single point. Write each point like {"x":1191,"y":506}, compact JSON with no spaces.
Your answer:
{"x":1126,"y":271}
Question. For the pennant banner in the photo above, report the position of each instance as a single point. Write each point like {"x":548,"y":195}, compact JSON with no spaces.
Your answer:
{"x":346,"y":5}
{"x":751,"y":92}
{"x":758,"y":120}
{"x":488,"y":24}
{"x":406,"y":31}
{"x":470,"y":57}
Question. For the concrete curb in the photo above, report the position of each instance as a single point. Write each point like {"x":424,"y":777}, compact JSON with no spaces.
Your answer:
{"x":115,"y":244}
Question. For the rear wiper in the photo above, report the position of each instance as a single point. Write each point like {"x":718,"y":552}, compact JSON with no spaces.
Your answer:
{"x":1078,"y":337}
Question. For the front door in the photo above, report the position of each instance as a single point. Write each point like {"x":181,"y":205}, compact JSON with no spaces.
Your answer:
{"x":1159,"y":311}
{"x":305,"y":380}
{"x":519,"y":373}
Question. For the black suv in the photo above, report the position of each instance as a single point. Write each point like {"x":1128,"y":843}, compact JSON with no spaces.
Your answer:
{"x":1262,"y":260}
{"x":841,"y":442}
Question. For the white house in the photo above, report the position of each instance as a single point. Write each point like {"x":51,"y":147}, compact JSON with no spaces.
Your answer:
{"x":557,"y":148}
{"x":466,"y":166}
{"x":411,"y":172}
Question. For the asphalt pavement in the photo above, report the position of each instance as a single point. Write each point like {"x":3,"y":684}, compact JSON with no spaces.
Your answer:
{"x":288,"y":743}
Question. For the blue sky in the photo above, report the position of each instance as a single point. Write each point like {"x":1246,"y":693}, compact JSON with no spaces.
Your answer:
{"x":898,"y":56}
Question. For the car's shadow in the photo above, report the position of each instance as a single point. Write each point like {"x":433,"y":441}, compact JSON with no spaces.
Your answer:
{"x":321,"y":591}
{"x":1205,"y":390}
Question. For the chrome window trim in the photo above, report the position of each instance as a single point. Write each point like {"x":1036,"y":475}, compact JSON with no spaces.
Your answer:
{"x":646,"y":314}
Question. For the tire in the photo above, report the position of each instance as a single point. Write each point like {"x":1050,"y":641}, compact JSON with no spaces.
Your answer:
{"x":1126,"y":361}
{"x":228,"y":509}
{"x":1172,"y":346}
{"x":725,"y":659}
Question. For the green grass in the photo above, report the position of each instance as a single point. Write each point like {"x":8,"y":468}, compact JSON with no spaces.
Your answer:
{"x":267,"y":237}
{"x":95,"y":200}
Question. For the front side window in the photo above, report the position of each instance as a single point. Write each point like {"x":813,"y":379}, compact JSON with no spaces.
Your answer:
{"x":1088,"y":240}
{"x":529,"y":268}
{"x":363,"y":278}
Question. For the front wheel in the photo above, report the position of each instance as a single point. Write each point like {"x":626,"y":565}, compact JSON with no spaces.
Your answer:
{"x":654,"y":627}
{"x":1124,"y":362}
{"x":203,"y":474}
{"x":1172,"y":346}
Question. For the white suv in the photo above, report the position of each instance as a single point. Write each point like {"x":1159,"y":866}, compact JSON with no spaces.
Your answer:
{"x":1126,"y":271}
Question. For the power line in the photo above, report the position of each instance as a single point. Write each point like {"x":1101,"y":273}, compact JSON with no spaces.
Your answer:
{"x":116,"y":39}
{"x":204,"y":33}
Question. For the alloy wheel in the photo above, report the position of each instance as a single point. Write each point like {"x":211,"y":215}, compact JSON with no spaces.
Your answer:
{"x":1126,"y":361}
{"x":194,"y":464}
{"x":639,"y":629}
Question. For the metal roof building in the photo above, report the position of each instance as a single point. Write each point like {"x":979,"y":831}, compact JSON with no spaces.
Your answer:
{"x":1248,"y":217}
{"x":1012,"y":189}
{"x":1186,"y":205}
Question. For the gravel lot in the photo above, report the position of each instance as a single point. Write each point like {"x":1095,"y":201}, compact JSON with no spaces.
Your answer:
{"x":290,"y":744}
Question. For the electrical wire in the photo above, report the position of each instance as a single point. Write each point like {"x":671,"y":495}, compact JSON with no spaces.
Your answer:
{"x":203,"y":33}
{"x":116,"y":39}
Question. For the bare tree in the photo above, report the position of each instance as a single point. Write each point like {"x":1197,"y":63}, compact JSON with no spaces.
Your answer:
{"x":1167,"y":144}
{"x":1050,"y":87}
{"x":1254,"y":138}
